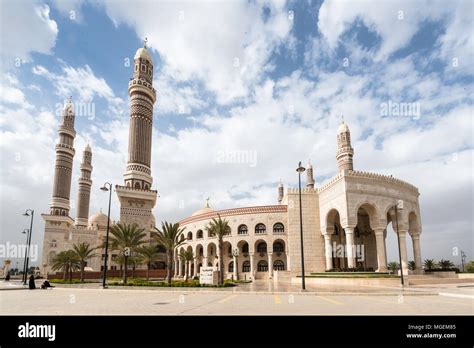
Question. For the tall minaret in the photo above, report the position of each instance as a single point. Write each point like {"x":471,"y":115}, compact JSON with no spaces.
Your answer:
{"x":136,"y":196}
{"x":64,"y":159}
{"x":309,"y":176}
{"x":84,"y":191}
{"x":345,"y":152}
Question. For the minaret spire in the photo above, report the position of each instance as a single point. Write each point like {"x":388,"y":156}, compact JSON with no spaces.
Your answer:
{"x":281,"y":192}
{"x":64,"y":160}
{"x":309,"y":176}
{"x":345,"y":152}
{"x":84,"y":191}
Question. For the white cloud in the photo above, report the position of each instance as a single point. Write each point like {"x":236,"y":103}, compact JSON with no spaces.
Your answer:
{"x":29,"y":28}
{"x":224,"y":44}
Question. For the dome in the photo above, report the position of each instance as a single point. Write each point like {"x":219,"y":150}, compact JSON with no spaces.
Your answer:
{"x":98,"y":219}
{"x":144,"y":54}
{"x":343,"y":128}
{"x":204,"y":210}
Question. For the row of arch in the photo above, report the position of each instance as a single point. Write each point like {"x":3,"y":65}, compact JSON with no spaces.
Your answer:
{"x":260,"y":228}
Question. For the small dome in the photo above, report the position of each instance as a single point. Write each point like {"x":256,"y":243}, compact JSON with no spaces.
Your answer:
{"x":144,"y":54}
{"x":98,"y":219}
{"x":204,"y":210}
{"x":343,"y":128}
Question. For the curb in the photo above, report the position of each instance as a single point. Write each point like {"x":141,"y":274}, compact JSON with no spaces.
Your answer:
{"x":456,"y":295}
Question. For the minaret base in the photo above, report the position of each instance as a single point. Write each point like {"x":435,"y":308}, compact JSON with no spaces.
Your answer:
{"x":136,"y":206}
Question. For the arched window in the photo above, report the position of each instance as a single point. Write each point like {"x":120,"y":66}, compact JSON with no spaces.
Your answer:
{"x":190,"y":236}
{"x":199,"y":234}
{"x":53,"y":244}
{"x":137,"y":185}
{"x":211,"y":251}
{"x":278,"y":228}
{"x":278,"y":247}
{"x":262,"y":247}
{"x":228,"y":232}
{"x":242,"y":229}
{"x":260,"y":228}
{"x":146,"y":187}
{"x":231,"y":266}
{"x":262,"y":266}
{"x":245,"y":248}
{"x":200,"y":251}
{"x":230,"y":249}
{"x":246,"y":266}
{"x":182,"y":237}
{"x":278,"y":265}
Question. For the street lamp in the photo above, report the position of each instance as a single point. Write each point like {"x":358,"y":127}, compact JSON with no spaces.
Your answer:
{"x":27,"y":213}
{"x":397,"y":206}
{"x":27,"y":232}
{"x":463,"y":258}
{"x":300,"y":170}
{"x":235,"y":253}
{"x":107,"y":187}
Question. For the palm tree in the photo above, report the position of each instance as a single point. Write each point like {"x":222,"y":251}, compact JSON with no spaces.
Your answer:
{"x":393,"y":266}
{"x":67,"y":261}
{"x":148,"y":254}
{"x":411,"y":265}
{"x":169,"y":237}
{"x":429,"y":264}
{"x":186,"y":256}
{"x":219,"y":228}
{"x":126,"y":238}
{"x":445,"y":264}
{"x":83,"y":252}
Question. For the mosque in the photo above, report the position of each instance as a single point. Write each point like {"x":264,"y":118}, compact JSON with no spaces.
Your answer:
{"x":344,"y":220}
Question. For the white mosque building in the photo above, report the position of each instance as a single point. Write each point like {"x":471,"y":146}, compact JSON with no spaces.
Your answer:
{"x":348,"y":213}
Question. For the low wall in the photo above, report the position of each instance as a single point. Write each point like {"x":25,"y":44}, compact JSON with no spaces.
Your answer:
{"x":466,"y":276}
{"x":139,"y":273}
{"x":441,"y":274}
{"x":349,"y":281}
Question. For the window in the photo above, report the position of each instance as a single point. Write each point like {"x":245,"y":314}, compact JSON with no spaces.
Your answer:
{"x":160,"y":249}
{"x":262,"y":266}
{"x":246,"y":266}
{"x":182,"y":237}
{"x":199,"y":234}
{"x":201,"y":251}
{"x":245,"y":248}
{"x":143,"y":68}
{"x":230,"y":249}
{"x":228,"y":232}
{"x":260,"y":229}
{"x":211,"y":251}
{"x":262,"y":247}
{"x":231,"y":266}
{"x":278,"y":228}
{"x":278,"y":265}
{"x":242,"y":229}
{"x":190,"y":236}
{"x":278,"y":247}
{"x":53,"y":244}
{"x":137,"y":185}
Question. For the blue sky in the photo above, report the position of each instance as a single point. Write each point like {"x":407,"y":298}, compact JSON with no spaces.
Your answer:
{"x":271,"y":78}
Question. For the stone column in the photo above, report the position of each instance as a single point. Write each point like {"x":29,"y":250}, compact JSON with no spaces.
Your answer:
{"x":403,"y":250}
{"x":180,"y":268}
{"x":195,"y":268}
{"x":381,"y":257}
{"x":416,"y":251}
{"x":252,"y":267}
{"x":350,"y":247}
{"x":175,"y":268}
{"x":204,"y":261}
{"x":328,"y":251}
{"x":236,"y":274}
{"x":270,"y":265}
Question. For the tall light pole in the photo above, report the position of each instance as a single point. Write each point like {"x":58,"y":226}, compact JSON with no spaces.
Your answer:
{"x":300,"y":170}
{"x":28,"y":212}
{"x":27,"y":232}
{"x":107,"y":187}
{"x":397,"y":206}
{"x":463,"y":258}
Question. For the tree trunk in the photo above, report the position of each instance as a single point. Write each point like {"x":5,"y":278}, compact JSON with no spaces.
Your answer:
{"x":64,"y":272}
{"x":221,"y":261}
{"x":169,"y":266}
{"x":125,"y":260}
{"x":70,"y":274}
{"x":82,"y":272}
{"x":133,"y":271}
{"x":148,"y":271}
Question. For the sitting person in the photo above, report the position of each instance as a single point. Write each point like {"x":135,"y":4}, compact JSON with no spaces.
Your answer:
{"x":46,"y":285}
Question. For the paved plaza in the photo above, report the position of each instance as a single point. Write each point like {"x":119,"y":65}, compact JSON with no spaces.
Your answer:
{"x":254,"y":299}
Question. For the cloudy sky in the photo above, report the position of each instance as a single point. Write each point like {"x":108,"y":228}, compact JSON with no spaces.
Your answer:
{"x":267,"y":79}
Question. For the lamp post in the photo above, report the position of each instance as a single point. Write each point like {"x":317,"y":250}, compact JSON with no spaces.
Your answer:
{"x":300,"y":170}
{"x":28,"y":212}
{"x":23,"y":276}
{"x":463,"y":258}
{"x":107,"y":187}
{"x":397,"y":206}
{"x":235,"y":254}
